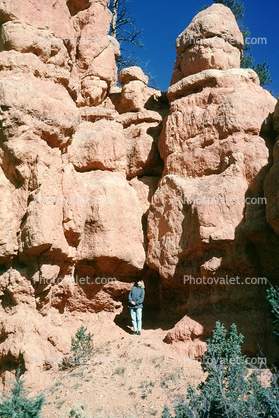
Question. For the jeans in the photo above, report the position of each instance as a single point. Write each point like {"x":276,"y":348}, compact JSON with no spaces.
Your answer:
{"x":136,"y":315}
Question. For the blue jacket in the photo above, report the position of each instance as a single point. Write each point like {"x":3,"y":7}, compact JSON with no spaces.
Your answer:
{"x":136,"y":295}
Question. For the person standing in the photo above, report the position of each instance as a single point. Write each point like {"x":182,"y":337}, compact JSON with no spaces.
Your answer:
{"x":136,"y":298}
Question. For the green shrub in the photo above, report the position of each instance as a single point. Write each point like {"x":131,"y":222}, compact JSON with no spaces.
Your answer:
{"x":120,"y":371}
{"x":17,"y":405}
{"x":273,"y":298}
{"x":82,"y":348}
{"x":78,"y":411}
{"x":228,"y":390}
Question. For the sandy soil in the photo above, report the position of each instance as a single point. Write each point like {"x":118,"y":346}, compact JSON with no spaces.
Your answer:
{"x":128,"y":376}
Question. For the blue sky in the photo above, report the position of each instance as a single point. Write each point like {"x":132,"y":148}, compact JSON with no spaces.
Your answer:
{"x":163,"y":20}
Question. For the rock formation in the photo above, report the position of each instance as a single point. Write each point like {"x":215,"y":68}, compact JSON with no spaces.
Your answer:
{"x":207,"y":216}
{"x":72,"y":236}
{"x":211,"y":41}
{"x":101,"y":184}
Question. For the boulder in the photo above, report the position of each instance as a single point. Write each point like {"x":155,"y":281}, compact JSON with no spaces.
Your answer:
{"x":186,"y":335}
{"x":135,"y":93}
{"x":204,"y":128}
{"x":133,"y":118}
{"x":132,"y":73}
{"x":99,"y":146}
{"x":42,"y":229}
{"x":143,"y":154}
{"x":93,"y":114}
{"x":92,"y":92}
{"x":111,"y":236}
{"x":212,"y":40}
{"x":104,"y":67}
{"x":27,"y":107}
{"x":51,"y":14}
{"x":132,"y":97}
{"x":92,"y":26}
{"x":24,"y":38}
{"x":32,"y":67}
{"x":189,"y":214}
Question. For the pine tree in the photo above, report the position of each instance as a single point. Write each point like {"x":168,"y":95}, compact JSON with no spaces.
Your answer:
{"x":18,"y":405}
{"x":273,"y":298}
{"x":82,"y":345}
{"x":228,"y":390}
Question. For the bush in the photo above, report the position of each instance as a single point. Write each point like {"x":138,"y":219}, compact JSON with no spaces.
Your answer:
{"x":17,"y":405}
{"x":228,"y":391}
{"x":78,"y":411}
{"x":273,"y":298}
{"x":82,"y":348}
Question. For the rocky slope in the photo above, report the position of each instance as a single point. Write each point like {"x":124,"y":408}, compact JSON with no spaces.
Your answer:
{"x":102,"y":185}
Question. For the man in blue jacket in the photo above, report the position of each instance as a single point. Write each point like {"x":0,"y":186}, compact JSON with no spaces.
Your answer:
{"x":136,"y":297}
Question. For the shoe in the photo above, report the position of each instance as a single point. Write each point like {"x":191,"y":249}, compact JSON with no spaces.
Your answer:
{"x":135,"y":333}
{"x":138,"y":332}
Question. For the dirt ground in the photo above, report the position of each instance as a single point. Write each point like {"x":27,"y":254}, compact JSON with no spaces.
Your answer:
{"x":128,"y":376}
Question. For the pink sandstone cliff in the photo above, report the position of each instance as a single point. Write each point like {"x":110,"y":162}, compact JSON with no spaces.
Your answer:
{"x":99,"y":181}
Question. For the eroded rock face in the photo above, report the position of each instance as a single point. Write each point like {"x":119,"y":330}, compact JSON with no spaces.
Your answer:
{"x":205,"y":128}
{"x":196,"y":212}
{"x":73,"y":230}
{"x":106,"y":215}
{"x":271,"y":181}
{"x":50,"y":14}
{"x":21,"y":37}
{"x":95,"y":194}
{"x":87,"y":151}
{"x":207,"y":216}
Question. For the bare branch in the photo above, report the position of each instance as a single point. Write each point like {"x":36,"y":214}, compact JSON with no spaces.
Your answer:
{"x":124,"y":29}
